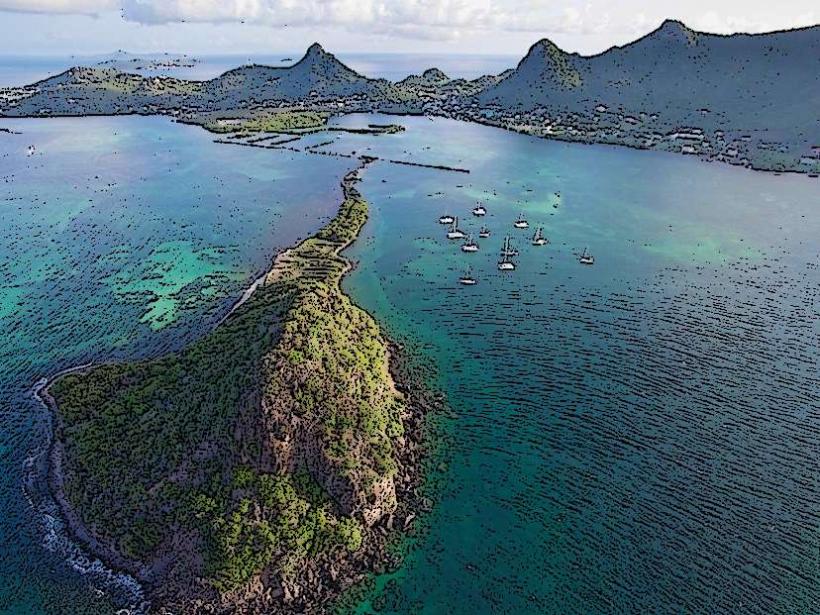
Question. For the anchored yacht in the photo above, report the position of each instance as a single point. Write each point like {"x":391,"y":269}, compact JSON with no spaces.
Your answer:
{"x":455,"y":232}
{"x":521,"y":222}
{"x":484,"y":232}
{"x":586,"y":258}
{"x":469,"y":245}
{"x":446,"y":219}
{"x":479,"y":210}
{"x":538,"y":239}
{"x":467,"y":279}
{"x":505,"y":264}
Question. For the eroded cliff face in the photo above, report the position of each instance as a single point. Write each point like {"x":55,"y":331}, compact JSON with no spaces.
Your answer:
{"x":251,"y":467}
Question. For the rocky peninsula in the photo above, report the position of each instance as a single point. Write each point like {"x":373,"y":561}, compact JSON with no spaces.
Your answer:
{"x":260,"y":470}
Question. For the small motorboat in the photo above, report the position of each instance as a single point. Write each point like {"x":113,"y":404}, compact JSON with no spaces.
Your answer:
{"x":455,"y":232}
{"x":484,"y":232}
{"x":521,"y":222}
{"x":446,"y":219}
{"x":479,"y":210}
{"x":586,"y":258}
{"x":538,"y":239}
{"x":469,"y":245}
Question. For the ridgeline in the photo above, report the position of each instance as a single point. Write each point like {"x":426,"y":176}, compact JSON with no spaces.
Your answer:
{"x":748,"y":100}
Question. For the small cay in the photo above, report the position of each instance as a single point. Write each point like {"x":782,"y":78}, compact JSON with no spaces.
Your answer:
{"x":258,"y":470}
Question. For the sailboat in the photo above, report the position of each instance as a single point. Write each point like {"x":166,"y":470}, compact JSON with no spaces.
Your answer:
{"x":469,"y":245}
{"x":521,"y":222}
{"x":505,"y":264}
{"x":446,"y":219}
{"x":538,"y":239}
{"x":508,"y":250}
{"x":467,"y":279}
{"x":454,"y":232}
{"x":484,"y":232}
{"x":586,"y":258}
{"x":479,"y":210}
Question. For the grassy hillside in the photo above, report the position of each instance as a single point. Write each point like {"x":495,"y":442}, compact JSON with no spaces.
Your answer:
{"x":264,"y":448}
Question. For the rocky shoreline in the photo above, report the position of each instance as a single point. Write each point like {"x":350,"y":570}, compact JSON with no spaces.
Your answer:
{"x":324,"y":578}
{"x":77,"y":530}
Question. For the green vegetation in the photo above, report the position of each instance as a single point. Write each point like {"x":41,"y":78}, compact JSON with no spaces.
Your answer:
{"x":279,"y":121}
{"x":271,"y":439}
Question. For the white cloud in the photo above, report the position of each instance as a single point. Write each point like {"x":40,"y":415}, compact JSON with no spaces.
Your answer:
{"x":447,"y":19}
{"x":712,"y":21}
{"x":423,"y":19}
{"x":86,"y":7}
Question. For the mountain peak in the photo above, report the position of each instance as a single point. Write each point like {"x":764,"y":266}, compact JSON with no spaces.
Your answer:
{"x":435,"y":75}
{"x":319,"y":62}
{"x":318,"y":59}
{"x":544,"y":45}
{"x":672,"y":29}
{"x":543,"y":52}
{"x":673,"y":25}
{"x":316,"y":51}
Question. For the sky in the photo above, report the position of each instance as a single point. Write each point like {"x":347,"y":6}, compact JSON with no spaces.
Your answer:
{"x":215,"y":27}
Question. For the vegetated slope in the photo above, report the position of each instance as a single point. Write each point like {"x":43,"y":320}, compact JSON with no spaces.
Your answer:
{"x":750,"y":100}
{"x":99,"y":91}
{"x":319,"y":75}
{"x":263,"y":451}
{"x":765,"y":81}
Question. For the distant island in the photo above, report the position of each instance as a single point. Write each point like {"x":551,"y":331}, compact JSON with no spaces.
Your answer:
{"x":125,"y":61}
{"x":748,"y":100}
{"x":260,"y":470}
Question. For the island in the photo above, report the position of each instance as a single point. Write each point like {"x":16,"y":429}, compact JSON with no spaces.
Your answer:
{"x":261,"y":469}
{"x":673,"y":90}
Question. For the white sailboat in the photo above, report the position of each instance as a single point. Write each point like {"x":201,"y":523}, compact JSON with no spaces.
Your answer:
{"x":586,"y":258}
{"x":479,"y":210}
{"x":467,"y":279}
{"x":446,"y":219}
{"x":538,"y":239}
{"x":505,"y":264}
{"x":455,"y":232}
{"x":469,"y":245}
{"x":484,"y":232}
{"x":508,"y":250}
{"x":521,"y":222}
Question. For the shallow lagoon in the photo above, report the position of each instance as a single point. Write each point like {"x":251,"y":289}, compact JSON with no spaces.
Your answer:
{"x":637,"y":436}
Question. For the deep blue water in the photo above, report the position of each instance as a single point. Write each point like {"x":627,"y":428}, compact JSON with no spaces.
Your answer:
{"x":640,"y":436}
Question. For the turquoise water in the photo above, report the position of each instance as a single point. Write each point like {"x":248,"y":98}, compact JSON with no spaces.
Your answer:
{"x":639,"y":436}
{"x":120,"y":237}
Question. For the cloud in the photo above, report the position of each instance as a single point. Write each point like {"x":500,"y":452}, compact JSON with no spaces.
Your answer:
{"x":419,"y":19}
{"x":712,"y":21}
{"x":83,"y":7}
{"x":443,"y":19}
